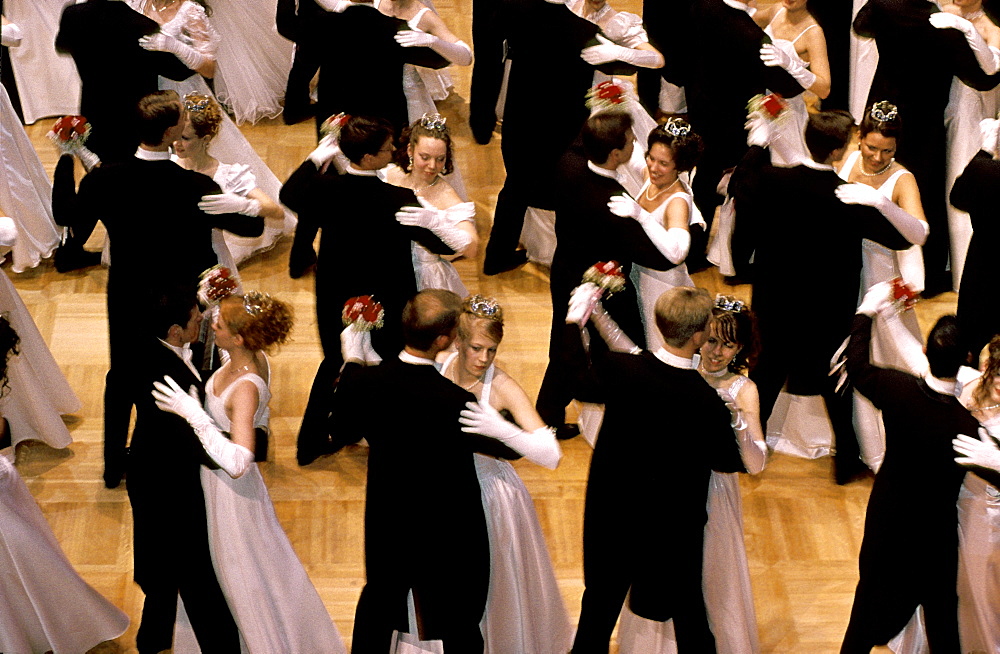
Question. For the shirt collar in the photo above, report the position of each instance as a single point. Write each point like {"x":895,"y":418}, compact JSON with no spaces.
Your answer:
{"x":406,"y":357}
{"x":151,"y":155}
{"x":809,"y":163}
{"x":735,"y":4}
{"x":676,"y":361}
{"x":943,"y":387}
{"x":185,"y":355}
{"x":603,"y":172}
{"x":351,"y":170}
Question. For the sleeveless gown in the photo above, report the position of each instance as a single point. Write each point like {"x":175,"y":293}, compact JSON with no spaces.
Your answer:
{"x":275,"y":605}
{"x":725,"y":578}
{"x":524,"y":610}
{"x":792,"y":125}
{"x":434,"y":271}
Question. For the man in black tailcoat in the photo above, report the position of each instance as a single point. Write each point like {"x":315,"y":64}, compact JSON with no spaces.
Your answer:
{"x":103,"y":38}
{"x":142,"y":201}
{"x":792,"y":351}
{"x":171,"y":551}
{"x":916,"y":65}
{"x":663,"y":433}
{"x":909,"y":555}
{"x":421,"y":475}
{"x":724,"y":72}
{"x":587,"y":233}
{"x":357,"y":214}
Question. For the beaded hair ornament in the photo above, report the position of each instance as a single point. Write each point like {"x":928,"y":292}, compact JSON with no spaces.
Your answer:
{"x":484,"y":307}
{"x":884,"y":111}
{"x":433,"y":121}
{"x":255,"y":301}
{"x":676,"y":127}
{"x":196,"y":102}
{"x":729,"y":303}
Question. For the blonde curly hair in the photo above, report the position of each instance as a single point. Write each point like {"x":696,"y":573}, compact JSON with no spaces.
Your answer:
{"x":262,"y":321}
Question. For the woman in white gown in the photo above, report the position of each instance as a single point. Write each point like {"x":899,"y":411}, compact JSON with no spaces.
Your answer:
{"x":665,"y":209}
{"x":725,"y":358}
{"x":524,"y":609}
{"x":185,"y":29}
{"x":421,"y":166}
{"x":47,"y":606}
{"x":239,"y":186}
{"x":276,"y":607}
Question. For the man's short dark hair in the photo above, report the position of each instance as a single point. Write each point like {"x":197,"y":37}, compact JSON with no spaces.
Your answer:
{"x":945,"y":350}
{"x":827,"y":132}
{"x":430,"y":313}
{"x":604,"y":132}
{"x":364,"y":135}
{"x":158,"y":112}
{"x":172,"y":307}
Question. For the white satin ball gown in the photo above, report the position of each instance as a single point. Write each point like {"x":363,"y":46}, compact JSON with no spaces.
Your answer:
{"x":793,"y":123}
{"x":524,"y":610}
{"x":725,"y":577}
{"x":44,"y":603}
{"x":191,"y":26}
{"x":275,"y":605}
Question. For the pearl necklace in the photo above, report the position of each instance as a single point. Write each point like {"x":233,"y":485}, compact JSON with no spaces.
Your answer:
{"x":421,"y":190}
{"x":861,"y":169}
{"x":472,"y":385}
{"x":661,"y":191}
{"x":972,"y":16}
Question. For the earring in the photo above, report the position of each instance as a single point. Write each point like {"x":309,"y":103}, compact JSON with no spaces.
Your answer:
{"x":411,"y":162}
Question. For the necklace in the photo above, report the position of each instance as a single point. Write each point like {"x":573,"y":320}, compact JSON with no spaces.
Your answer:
{"x":472,"y":385}
{"x":972,"y":16}
{"x":661,"y":191}
{"x":420,"y":190}
{"x":861,"y":169}
{"x":987,"y":408}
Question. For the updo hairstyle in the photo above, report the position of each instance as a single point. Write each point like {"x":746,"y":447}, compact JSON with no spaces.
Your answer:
{"x":204,"y":113}
{"x":262,"y":321}
{"x":981,"y":396}
{"x":483,"y":312}
{"x":736,"y":323}
{"x":684,"y":144}
{"x":883,"y":118}
{"x":429,"y":126}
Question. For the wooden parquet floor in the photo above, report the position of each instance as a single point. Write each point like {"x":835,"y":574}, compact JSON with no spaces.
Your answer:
{"x":802,"y":531}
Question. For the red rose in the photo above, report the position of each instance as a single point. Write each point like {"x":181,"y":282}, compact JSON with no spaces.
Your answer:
{"x":773,"y":104}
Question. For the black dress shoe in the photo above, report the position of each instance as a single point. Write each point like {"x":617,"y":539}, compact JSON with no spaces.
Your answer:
{"x":567,"y":431}
{"x":67,"y":260}
{"x":497,"y":265}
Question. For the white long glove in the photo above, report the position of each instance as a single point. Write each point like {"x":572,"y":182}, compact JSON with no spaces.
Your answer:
{"x":877,"y":299}
{"x":752,"y":451}
{"x":457,"y":53}
{"x":989,"y":130}
{"x":913,"y":230}
{"x":438,"y":221}
{"x":772,"y":55}
{"x":161,"y":42}
{"x":231,"y":457}
{"x":617,"y":340}
{"x":987,"y":57}
{"x":356,"y":344}
{"x":10,"y":35}
{"x":982,"y":452}
{"x":325,"y":151}
{"x":582,"y":301}
{"x":229,"y":203}
{"x":608,"y":51}
{"x":672,"y":243}
{"x":537,"y":446}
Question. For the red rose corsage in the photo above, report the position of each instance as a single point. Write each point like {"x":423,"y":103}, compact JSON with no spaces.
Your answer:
{"x":333,"y":125}
{"x":606,"y":96}
{"x":903,"y":295}
{"x":215,"y":285}
{"x":70,"y":131}
{"x":364,"y":312}
{"x":771,"y":106}
{"x":607,"y":275}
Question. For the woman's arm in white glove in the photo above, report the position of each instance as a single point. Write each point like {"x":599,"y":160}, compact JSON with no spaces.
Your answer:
{"x":437,"y":37}
{"x":673,"y":240}
{"x":616,"y":339}
{"x":532,"y":439}
{"x":914,"y":229}
{"x":643,"y":55}
{"x":985,"y":55}
{"x":749,"y":434}
{"x":235,"y":456}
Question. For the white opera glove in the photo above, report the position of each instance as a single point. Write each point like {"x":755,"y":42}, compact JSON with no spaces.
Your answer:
{"x":457,"y":53}
{"x":355,"y":344}
{"x":624,"y":206}
{"x":372,"y":357}
{"x":982,"y":452}
{"x":87,"y":157}
{"x":582,"y":301}
{"x":537,"y":446}
{"x":161,"y":42}
{"x":611,"y":333}
{"x":759,"y":130}
{"x":608,"y":51}
{"x":415,"y":39}
{"x":11,"y":35}
{"x":752,"y":451}
{"x":772,"y":55}
{"x":218,"y":203}
{"x":913,"y":229}
{"x":335,"y":6}
{"x":986,"y":57}
{"x":437,"y":221}
{"x":672,"y":243}
{"x":876,"y":300}
{"x":325,"y":151}
{"x":989,"y":130}
{"x":231,"y":457}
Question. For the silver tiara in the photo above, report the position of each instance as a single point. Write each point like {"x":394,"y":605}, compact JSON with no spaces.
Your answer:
{"x":729,"y":303}
{"x":884,"y":111}
{"x":254,"y":301}
{"x":676,"y":127}
{"x":433,"y":121}
{"x":190,"y":104}
{"x":484,"y":307}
